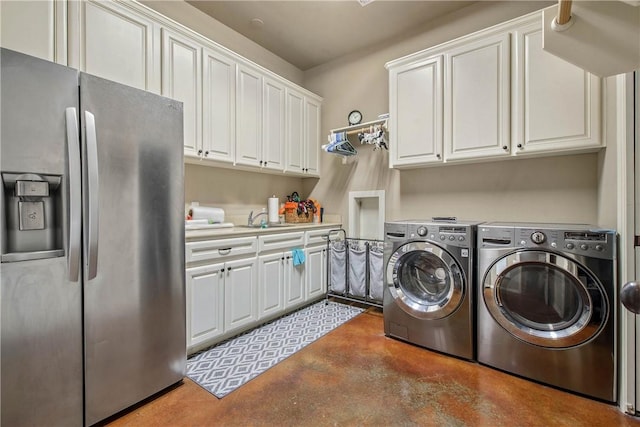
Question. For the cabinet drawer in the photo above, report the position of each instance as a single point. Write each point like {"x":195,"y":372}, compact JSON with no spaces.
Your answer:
{"x":216,"y":249}
{"x":272,"y":242}
{"x":317,"y":237}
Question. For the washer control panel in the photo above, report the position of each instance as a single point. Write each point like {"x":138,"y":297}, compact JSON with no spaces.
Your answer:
{"x":449,"y":234}
{"x":588,"y":242}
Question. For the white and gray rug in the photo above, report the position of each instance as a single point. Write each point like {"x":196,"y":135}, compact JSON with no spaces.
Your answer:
{"x":230,"y":364}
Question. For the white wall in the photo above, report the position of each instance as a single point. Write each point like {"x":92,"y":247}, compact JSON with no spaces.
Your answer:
{"x":551,"y":189}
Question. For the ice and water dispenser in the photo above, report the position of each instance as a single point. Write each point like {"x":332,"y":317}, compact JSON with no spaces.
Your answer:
{"x":31,"y":216}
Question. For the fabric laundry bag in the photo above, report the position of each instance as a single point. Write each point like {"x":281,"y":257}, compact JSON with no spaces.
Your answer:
{"x":338,"y":267}
{"x":357,"y":270}
{"x":376,"y":272}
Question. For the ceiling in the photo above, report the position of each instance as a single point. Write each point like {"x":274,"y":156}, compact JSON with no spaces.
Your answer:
{"x":307,"y":33}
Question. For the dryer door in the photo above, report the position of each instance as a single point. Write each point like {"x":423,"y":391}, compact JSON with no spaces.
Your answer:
{"x":545,"y":299}
{"x":425,"y":280}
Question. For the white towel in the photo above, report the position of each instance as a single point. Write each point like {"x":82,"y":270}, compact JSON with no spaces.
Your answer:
{"x":214,"y":215}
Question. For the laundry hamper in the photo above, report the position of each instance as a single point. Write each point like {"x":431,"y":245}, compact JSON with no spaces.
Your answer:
{"x":355,"y":269}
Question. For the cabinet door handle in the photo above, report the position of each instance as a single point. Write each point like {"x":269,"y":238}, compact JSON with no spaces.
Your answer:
{"x":224,"y":251}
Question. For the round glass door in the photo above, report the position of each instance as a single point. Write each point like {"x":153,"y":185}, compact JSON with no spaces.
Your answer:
{"x":424,"y":280}
{"x":545,"y":299}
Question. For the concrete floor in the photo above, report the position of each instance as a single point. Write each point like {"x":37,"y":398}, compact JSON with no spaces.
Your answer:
{"x":356,"y":376}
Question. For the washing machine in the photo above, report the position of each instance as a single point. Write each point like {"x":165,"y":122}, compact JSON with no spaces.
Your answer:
{"x":428,"y":293}
{"x":547,"y":304}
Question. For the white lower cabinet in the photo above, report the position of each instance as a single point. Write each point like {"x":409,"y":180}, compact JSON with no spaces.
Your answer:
{"x":234,"y":284}
{"x":205,"y":303}
{"x":221,"y":298}
{"x":271,"y":284}
{"x":316,"y":271}
{"x":294,"y":282}
{"x":240,"y":293}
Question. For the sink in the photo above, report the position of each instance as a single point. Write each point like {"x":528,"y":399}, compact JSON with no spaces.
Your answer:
{"x":258,"y":227}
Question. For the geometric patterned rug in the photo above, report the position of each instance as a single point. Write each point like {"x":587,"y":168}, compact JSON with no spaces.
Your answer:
{"x":231,"y":363}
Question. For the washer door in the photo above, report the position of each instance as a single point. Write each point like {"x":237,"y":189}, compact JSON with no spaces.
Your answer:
{"x":425,"y":280}
{"x":545,"y":299}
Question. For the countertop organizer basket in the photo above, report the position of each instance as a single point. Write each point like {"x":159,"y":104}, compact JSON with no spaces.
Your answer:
{"x":355,"y":268}
{"x":292,"y":216}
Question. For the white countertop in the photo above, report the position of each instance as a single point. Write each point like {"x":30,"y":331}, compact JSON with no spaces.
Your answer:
{"x":240,"y":231}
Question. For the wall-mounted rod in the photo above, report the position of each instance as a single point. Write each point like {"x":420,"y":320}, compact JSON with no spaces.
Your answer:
{"x":564,"y":20}
{"x":361,"y":126}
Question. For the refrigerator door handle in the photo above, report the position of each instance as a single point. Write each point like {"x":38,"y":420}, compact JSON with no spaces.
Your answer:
{"x":93,"y":199}
{"x":75,"y":206}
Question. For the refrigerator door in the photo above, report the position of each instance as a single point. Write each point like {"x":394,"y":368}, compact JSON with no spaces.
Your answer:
{"x":41,"y":307}
{"x":133,"y":222}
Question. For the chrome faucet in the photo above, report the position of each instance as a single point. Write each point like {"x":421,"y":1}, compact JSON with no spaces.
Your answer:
{"x":252,"y":218}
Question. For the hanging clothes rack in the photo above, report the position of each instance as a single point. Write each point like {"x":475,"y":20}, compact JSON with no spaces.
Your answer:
{"x":372,"y":132}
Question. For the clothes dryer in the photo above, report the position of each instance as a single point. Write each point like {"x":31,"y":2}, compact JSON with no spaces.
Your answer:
{"x":428,"y":295}
{"x":547,"y":304}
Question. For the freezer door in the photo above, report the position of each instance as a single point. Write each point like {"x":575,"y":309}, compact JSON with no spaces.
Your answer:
{"x":41,"y":317}
{"x":133,"y":222}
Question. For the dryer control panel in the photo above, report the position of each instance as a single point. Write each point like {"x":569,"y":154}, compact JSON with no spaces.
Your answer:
{"x":595,"y":243}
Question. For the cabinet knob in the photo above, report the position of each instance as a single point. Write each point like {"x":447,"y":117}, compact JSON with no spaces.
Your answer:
{"x":222,"y":270}
{"x":504,"y":147}
{"x":265,"y":163}
{"x":206,"y":153}
{"x":438,"y":156}
{"x":228,"y":268}
{"x":199,"y":152}
{"x":282,"y":258}
{"x":519,"y":145}
{"x":260,"y":162}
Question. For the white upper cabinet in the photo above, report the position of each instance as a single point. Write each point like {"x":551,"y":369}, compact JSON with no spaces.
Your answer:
{"x":117,"y":43}
{"x":295,"y":131}
{"x":303,"y":134}
{"x":312,"y":112}
{"x":181,"y":77}
{"x":556,"y":104}
{"x":218,"y":106}
{"x":416,"y":104}
{"x":502,"y":97}
{"x":248,"y":116}
{"x":477,"y":99}
{"x":273,"y":124}
{"x":37,"y":28}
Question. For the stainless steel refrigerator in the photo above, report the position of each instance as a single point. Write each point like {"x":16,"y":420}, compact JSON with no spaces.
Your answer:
{"x":92,"y":229}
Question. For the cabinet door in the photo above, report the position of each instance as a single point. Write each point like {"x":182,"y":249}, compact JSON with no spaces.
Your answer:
{"x":557,"y":105}
{"x":248,"y":116}
{"x":273,"y":123}
{"x":311,"y":137}
{"x":294,"y":282}
{"x":240,"y":293}
{"x":205,"y":303}
{"x":477,"y":99}
{"x":295,"y":131}
{"x":415,"y":95}
{"x":271,"y":284}
{"x":117,"y":44}
{"x":316,"y":272}
{"x":37,"y":28}
{"x":218,"y":106}
{"x":181,"y":77}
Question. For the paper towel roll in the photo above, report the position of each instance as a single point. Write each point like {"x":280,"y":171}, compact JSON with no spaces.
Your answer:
{"x":273,"y":206}
{"x":215,"y":215}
